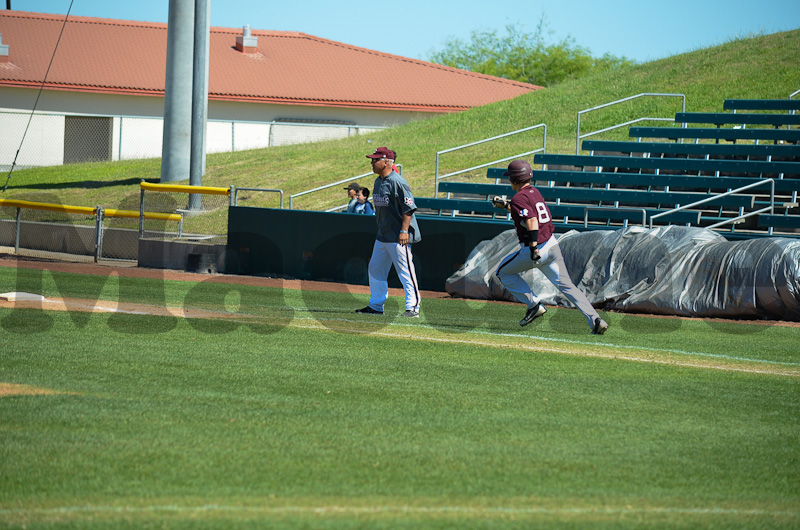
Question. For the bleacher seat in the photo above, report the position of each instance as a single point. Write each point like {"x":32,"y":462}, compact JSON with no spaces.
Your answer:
{"x":704,"y":133}
{"x":761,"y":104}
{"x":761,"y":151}
{"x":619,"y":182}
{"x":751,"y":167}
{"x":724,"y":118}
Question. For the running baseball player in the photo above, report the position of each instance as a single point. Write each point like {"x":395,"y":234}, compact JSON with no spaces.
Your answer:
{"x":397,"y":230}
{"x":538,"y":248}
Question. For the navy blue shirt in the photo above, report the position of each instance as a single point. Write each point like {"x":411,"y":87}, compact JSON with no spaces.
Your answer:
{"x":393,"y":199}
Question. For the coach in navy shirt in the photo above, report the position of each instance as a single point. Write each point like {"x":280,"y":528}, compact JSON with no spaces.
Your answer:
{"x":397,"y":231}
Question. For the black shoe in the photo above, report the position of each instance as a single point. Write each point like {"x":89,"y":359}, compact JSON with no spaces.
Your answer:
{"x":532,"y":314}
{"x":410,"y":313}
{"x":600,"y":326}
{"x":369,"y":311}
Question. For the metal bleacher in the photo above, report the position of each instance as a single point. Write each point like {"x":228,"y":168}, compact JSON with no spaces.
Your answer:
{"x":745,"y":188}
{"x":710,"y":133}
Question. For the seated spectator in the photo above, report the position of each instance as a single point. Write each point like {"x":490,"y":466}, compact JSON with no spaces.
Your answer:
{"x":363,"y":205}
{"x":352,"y":193}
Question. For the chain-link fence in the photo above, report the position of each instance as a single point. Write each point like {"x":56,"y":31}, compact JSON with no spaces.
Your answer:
{"x":172,"y":225}
{"x":47,"y":230}
{"x":201,"y":243}
{"x":204,"y":211}
{"x":51,"y":230}
{"x":55,"y":139}
{"x":120,"y":235}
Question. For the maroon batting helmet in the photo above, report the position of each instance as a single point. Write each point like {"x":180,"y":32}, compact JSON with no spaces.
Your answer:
{"x":519,"y":171}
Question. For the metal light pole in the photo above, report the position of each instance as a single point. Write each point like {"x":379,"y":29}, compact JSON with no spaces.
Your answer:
{"x":197,"y":166}
{"x":176,"y":146}
{"x":200,"y":91}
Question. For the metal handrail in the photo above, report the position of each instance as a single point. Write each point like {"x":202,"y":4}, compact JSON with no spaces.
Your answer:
{"x":337,"y":183}
{"x":613,"y":209}
{"x":325,"y":187}
{"x":791,"y":96}
{"x":237,"y":190}
{"x":438,"y":177}
{"x":579,"y":136}
{"x":771,"y":206}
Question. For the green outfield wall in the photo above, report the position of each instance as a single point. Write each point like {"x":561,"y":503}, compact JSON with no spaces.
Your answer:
{"x":337,"y":246}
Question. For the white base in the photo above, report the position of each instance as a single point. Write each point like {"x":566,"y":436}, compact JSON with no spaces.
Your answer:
{"x":27,"y":297}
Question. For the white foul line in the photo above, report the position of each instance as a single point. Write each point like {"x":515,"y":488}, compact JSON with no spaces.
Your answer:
{"x":398,"y":509}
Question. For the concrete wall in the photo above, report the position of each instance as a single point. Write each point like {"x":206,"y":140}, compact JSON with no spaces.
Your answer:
{"x":50,"y":237}
{"x":118,"y":243}
{"x":181,"y":255}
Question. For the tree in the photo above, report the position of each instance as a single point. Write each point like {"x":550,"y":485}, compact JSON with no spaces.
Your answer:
{"x":524,"y":57}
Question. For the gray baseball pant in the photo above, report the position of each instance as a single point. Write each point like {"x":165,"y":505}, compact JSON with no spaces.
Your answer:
{"x":553,"y":267}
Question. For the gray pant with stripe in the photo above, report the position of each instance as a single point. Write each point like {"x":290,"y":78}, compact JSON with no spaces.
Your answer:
{"x":553,"y":267}
{"x":384,"y":255}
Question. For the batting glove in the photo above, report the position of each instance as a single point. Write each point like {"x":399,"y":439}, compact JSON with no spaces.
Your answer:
{"x":535,"y":256}
{"x":499,"y":202}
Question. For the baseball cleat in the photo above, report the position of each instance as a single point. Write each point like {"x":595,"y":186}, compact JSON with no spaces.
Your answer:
{"x":369,"y":311}
{"x":532,"y":314}
{"x":410,"y":313}
{"x":600,"y":326}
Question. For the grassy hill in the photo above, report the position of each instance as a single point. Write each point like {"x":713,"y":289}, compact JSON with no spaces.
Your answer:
{"x":758,"y":67}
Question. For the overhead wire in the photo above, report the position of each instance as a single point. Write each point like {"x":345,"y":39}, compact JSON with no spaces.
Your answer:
{"x":38,"y":95}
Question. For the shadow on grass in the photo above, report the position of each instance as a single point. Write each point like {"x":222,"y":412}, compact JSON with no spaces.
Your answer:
{"x":82,"y":184}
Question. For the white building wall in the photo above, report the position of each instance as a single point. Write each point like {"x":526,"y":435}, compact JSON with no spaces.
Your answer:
{"x":139,"y":138}
{"x":266,"y":112}
{"x":287,"y":134}
{"x":138,"y":127}
{"x":249,"y":135}
{"x":43,"y":144}
{"x":219,"y":135}
{"x":115,"y":131}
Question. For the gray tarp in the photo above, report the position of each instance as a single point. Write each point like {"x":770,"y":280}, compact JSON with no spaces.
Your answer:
{"x":668,"y":270}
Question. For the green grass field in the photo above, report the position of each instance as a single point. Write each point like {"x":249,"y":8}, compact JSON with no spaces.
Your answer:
{"x":289,"y":410}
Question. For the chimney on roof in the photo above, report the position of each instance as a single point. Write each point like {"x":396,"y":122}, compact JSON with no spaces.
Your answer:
{"x":247,"y":43}
{"x":3,"y":50}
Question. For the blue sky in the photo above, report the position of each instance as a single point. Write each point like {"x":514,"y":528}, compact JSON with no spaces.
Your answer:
{"x":639,"y":29}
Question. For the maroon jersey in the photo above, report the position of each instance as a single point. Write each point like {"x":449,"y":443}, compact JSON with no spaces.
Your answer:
{"x":528,"y":203}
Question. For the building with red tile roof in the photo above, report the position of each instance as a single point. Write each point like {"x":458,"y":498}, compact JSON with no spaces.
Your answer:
{"x":116,"y":68}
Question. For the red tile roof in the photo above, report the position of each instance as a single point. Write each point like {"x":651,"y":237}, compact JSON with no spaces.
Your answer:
{"x":124,"y":57}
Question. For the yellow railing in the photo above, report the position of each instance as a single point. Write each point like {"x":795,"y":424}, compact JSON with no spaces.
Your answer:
{"x":82,"y":210}
{"x":133,"y":214}
{"x":99,"y":213}
{"x":87,"y":210}
{"x":182,"y":188}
